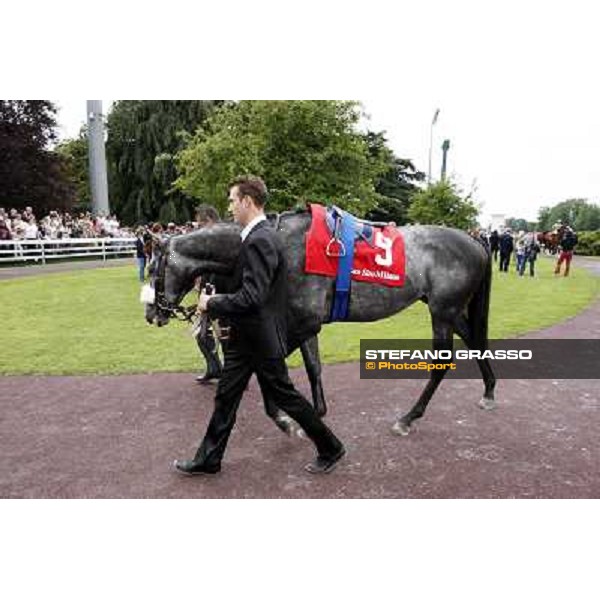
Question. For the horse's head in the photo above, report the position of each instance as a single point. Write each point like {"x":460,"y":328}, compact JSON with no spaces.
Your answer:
{"x":156,"y":272}
{"x":179,"y":260}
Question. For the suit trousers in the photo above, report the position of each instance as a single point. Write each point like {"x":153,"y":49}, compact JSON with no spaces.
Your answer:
{"x":274,"y":380}
{"x":504,"y":261}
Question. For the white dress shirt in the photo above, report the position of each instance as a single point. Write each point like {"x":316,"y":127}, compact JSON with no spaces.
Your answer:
{"x":246,"y":231}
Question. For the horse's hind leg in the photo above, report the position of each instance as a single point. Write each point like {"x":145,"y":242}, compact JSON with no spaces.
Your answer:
{"x":442,"y":340}
{"x":312,"y":364}
{"x":462,"y":329}
{"x":283,"y":421}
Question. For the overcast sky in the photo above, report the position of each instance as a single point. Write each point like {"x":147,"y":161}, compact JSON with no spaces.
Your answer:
{"x":515,"y":83}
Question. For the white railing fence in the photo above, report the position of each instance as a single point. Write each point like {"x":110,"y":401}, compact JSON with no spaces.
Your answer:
{"x":41,"y":251}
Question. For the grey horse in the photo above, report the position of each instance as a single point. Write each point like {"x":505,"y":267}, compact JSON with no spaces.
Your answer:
{"x":445,"y":268}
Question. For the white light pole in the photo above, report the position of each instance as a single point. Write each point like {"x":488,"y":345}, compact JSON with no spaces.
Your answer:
{"x":433,"y":122}
{"x":97,"y":157}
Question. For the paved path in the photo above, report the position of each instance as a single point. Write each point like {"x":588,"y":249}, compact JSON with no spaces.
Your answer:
{"x":115,"y":437}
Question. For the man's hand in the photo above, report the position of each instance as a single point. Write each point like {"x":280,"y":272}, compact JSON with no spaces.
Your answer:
{"x":203,"y":301}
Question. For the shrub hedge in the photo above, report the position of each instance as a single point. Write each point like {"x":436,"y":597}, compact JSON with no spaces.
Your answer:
{"x":589,"y":243}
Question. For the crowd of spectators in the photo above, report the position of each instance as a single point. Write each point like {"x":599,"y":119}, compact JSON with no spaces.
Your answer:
{"x":25,"y":225}
{"x":525,"y":247}
{"x":170,"y":228}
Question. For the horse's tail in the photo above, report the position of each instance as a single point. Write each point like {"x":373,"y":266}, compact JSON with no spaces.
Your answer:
{"x":479,"y":308}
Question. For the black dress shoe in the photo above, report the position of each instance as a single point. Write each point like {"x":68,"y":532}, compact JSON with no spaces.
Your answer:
{"x":189,"y":467}
{"x":325,"y":465}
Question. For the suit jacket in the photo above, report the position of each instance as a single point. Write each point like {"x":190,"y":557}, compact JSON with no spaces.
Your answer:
{"x":506,"y":243}
{"x":257,"y":310}
{"x":569,"y":241}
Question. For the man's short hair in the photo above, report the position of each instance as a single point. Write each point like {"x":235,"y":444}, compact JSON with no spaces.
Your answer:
{"x":206,"y":212}
{"x":252,"y":186}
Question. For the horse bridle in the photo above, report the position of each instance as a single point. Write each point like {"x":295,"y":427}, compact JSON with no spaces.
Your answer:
{"x":172,"y":310}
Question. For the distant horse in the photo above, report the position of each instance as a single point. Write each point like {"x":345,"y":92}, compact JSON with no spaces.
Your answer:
{"x":551,"y":239}
{"x":445,"y":268}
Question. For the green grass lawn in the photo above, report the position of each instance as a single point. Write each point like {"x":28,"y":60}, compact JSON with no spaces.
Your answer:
{"x":88,"y":322}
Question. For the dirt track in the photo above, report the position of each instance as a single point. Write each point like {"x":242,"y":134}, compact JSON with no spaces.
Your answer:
{"x":115,"y":437}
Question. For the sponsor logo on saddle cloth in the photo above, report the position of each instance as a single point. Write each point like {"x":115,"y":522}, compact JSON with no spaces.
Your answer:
{"x":378,"y":257}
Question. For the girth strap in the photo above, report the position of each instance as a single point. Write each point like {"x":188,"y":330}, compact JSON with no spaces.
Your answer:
{"x":341,"y":298}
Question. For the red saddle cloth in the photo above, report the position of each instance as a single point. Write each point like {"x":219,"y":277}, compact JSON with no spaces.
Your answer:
{"x":381,"y":262}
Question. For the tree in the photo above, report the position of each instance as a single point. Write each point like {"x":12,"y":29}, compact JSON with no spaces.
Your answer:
{"x":577,"y":212}
{"x":75,"y":154}
{"x":518,"y":224}
{"x":395,"y":186}
{"x":305,"y":150}
{"x":31,"y":174}
{"x":544,"y":219}
{"x":441,"y":204}
{"x":143,"y":138}
{"x":587,"y":218}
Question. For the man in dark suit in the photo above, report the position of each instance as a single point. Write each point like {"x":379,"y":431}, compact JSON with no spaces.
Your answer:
{"x":506,"y":247}
{"x":257,"y":340}
{"x":494,"y":244}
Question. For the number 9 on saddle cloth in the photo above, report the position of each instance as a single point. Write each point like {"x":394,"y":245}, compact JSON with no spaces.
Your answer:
{"x":342,"y":246}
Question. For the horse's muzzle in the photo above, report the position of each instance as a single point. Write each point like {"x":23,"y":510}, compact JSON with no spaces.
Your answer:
{"x":150,"y":313}
{"x":161,"y":320}
{"x":155,"y":316}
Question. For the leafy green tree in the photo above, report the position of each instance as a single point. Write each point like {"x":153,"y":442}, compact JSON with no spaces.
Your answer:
{"x":518,"y":224}
{"x":305,"y":150}
{"x":579,"y":213}
{"x":31,"y":174}
{"x":442,"y":204}
{"x":587,"y":218}
{"x":396,"y":185}
{"x":544,"y":219}
{"x":143,"y":138}
{"x":75,"y":154}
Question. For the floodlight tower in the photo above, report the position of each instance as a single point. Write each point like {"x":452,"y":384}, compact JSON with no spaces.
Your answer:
{"x":445,"y":148}
{"x":436,"y":114}
{"x":97,"y":156}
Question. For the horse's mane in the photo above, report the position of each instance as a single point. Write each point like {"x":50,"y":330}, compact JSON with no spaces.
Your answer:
{"x":300,"y":210}
{"x":275,"y":218}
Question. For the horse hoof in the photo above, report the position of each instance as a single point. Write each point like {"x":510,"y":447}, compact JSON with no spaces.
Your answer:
{"x":487,"y":404}
{"x":400,"y":428}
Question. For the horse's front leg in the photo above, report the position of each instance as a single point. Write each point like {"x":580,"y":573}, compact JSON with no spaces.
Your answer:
{"x":442,"y":340}
{"x":312,"y":364}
